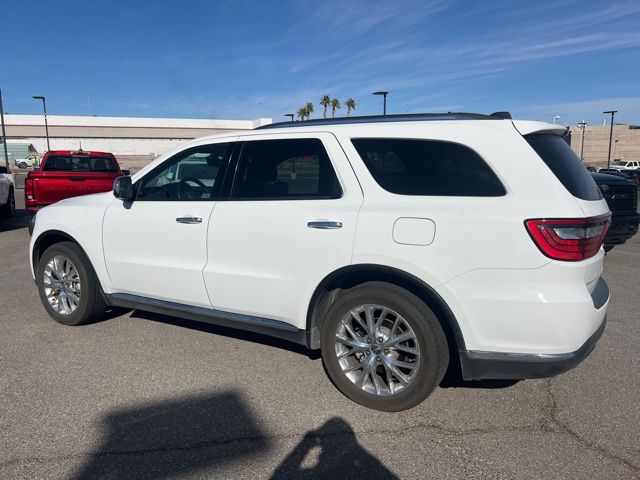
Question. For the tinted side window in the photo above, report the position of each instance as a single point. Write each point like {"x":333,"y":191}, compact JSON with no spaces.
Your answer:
{"x":285,"y":169}
{"x":195,"y":174}
{"x":427,"y":167}
{"x":565,"y":165}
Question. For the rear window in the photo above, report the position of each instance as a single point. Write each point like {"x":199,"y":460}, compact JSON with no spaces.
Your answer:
{"x":79,"y":163}
{"x":427,"y":167}
{"x":565,"y":165}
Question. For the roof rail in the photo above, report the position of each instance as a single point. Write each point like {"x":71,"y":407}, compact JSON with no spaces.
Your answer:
{"x":408,"y":117}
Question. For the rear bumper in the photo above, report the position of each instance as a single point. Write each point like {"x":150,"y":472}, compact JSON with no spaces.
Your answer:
{"x":477,"y":365}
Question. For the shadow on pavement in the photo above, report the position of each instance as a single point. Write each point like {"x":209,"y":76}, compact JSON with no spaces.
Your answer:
{"x":20,"y":220}
{"x":228,"y":332}
{"x":175,"y":438}
{"x":332,"y":451}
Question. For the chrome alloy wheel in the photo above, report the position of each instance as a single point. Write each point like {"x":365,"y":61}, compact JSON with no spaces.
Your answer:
{"x":377,"y":349}
{"x":62,"y":285}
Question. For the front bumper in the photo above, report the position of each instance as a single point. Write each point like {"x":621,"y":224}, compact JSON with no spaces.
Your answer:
{"x":502,"y":365}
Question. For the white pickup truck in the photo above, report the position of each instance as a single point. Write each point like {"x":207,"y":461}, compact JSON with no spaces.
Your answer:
{"x":7,"y":197}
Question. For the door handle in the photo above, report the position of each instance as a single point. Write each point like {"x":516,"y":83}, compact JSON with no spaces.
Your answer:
{"x":189,"y":220}
{"x":325,"y":225}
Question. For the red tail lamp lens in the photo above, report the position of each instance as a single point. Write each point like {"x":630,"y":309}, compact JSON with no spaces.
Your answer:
{"x":570,"y":239}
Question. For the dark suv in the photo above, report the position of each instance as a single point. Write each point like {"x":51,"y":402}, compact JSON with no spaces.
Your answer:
{"x":622,"y":197}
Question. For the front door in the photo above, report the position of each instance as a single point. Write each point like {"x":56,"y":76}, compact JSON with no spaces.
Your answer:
{"x":156,"y":246}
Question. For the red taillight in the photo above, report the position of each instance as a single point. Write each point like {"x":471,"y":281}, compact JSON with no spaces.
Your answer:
{"x":569,"y":239}
{"x":28,"y":191}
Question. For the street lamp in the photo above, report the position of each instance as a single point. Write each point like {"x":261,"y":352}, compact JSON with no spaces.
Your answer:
{"x":46,"y":126}
{"x":581,"y":126}
{"x":384,"y":94}
{"x":613,"y":114}
{"x":290,"y":115}
{"x":555,"y":117}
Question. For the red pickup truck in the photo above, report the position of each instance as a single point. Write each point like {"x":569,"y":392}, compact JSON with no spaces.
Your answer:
{"x":68,"y":173}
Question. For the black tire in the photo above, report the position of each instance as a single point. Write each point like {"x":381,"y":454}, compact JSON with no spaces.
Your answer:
{"x":91,"y":306}
{"x":9,"y":209}
{"x":428,"y":331}
{"x":608,"y":248}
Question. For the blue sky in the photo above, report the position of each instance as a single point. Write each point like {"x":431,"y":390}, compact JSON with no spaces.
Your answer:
{"x":249,"y":59}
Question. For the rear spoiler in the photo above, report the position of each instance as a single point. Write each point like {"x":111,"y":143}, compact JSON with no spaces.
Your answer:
{"x":526,"y":127}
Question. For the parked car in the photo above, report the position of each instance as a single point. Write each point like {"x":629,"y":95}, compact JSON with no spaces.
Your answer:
{"x":621,"y":195}
{"x":626,"y":164}
{"x":7,"y":195}
{"x":65,"y":174}
{"x":631,"y":175}
{"x":397,"y":245}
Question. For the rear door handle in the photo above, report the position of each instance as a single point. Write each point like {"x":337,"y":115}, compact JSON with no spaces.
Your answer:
{"x":324,"y":225}
{"x":190,"y":220}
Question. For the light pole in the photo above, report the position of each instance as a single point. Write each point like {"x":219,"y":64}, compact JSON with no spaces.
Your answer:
{"x":384,"y":94}
{"x":4,"y":134}
{"x":581,"y":126}
{"x":290,"y":115}
{"x":613,"y":114}
{"x":46,"y":125}
{"x":555,"y":117}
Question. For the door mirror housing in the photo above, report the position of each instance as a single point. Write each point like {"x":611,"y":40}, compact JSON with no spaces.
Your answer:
{"x":123,"y":188}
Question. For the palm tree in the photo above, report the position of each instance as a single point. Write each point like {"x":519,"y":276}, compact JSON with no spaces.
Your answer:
{"x":302,"y":113}
{"x":335,"y":104}
{"x":309,"y":107}
{"x":325,"y":101}
{"x":351,"y":105}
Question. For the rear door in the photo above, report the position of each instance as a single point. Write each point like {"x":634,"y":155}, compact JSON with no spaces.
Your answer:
{"x":290,"y":221}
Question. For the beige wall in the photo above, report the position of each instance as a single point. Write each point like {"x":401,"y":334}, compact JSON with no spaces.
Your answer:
{"x":625,"y":143}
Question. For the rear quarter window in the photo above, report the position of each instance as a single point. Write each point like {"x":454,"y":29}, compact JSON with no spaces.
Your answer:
{"x":565,"y":165}
{"x":427,"y":167}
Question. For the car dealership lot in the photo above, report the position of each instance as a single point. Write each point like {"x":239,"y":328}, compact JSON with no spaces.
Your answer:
{"x":146,"y":396}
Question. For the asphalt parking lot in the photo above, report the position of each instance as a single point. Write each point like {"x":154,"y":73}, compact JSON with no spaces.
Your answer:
{"x":146,"y":396}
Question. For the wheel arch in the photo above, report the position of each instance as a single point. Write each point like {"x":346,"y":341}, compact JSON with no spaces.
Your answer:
{"x":329,"y":289}
{"x":48,"y":238}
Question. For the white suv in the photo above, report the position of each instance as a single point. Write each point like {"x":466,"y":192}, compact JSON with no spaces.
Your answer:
{"x":399,"y":246}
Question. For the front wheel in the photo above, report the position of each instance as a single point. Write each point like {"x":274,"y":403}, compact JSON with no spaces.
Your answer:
{"x":68,"y":287}
{"x":383,"y":347}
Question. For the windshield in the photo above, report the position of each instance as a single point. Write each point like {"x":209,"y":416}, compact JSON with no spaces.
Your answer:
{"x":80,"y":163}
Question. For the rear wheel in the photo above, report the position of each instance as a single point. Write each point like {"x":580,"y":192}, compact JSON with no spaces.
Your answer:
{"x":9,"y":209}
{"x":68,"y":287}
{"x":383,"y":347}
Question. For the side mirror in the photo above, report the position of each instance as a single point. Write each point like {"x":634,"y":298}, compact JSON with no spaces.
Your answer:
{"x":126,"y":172}
{"x":4,"y":170}
{"x":123,"y":188}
